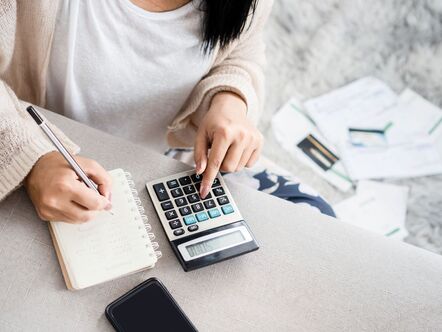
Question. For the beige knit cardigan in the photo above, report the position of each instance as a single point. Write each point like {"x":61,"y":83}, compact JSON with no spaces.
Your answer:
{"x":26,"y":30}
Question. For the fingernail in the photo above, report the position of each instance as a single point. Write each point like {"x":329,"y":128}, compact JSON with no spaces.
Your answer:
{"x":198,"y":168}
{"x":108,"y":207}
{"x":204,"y":191}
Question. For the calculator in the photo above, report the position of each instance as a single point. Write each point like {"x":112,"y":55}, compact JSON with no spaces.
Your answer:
{"x":201,"y":232}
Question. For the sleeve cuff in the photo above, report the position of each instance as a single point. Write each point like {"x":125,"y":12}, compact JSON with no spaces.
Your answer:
{"x":13,"y":175}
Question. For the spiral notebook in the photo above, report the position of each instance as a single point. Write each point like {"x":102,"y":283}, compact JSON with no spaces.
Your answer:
{"x":110,"y":246}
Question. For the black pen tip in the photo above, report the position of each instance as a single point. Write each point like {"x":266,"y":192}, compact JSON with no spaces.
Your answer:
{"x":37,"y":118}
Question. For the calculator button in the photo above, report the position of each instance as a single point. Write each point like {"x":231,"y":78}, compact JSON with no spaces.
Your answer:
{"x":167,"y":205}
{"x":223,"y":200}
{"x":185,"y":180}
{"x":193,"y":198}
{"x":227,"y":209}
{"x":202,"y":216}
{"x":189,"y":220}
{"x":218,"y":191}
{"x":190,"y":189}
{"x":216,"y":183}
{"x":192,"y":228}
{"x":171,"y":214}
{"x":209,"y":204}
{"x":197,"y":207}
{"x":180,"y":201}
{"x":177,"y":192}
{"x":185,"y":211}
{"x":175,"y":224}
{"x":161,"y":192}
{"x":196,"y":178}
{"x":172,"y":184}
{"x":214,"y":213}
{"x":178,"y":232}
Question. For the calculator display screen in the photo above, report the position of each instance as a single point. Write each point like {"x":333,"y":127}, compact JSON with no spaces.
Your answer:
{"x":216,"y":243}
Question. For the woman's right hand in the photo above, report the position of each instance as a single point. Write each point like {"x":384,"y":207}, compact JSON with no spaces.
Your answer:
{"x":59,"y":195}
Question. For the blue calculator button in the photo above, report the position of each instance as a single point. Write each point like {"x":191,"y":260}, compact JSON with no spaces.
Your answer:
{"x":189,"y":220}
{"x":202,"y":216}
{"x":227,"y":209}
{"x":214,"y":213}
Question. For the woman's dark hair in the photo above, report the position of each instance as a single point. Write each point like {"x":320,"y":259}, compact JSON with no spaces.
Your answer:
{"x":224,"y":21}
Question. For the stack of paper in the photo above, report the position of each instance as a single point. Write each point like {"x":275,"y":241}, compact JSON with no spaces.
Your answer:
{"x":365,"y":131}
{"x":351,"y":105}
{"x":407,"y":122}
{"x":297,"y":134}
{"x":377,"y":207}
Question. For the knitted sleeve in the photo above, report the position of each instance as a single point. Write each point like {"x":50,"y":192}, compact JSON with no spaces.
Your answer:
{"x":238,"y":69}
{"x":22,"y":142}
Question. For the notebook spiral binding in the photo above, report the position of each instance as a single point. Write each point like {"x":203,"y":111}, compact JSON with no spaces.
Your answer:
{"x":144,"y":218}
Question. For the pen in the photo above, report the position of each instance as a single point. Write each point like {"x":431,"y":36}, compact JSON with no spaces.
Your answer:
{"x":64,"y":152}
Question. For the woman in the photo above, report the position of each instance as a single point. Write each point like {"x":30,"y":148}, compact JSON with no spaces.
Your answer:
{"x":134,"y":69}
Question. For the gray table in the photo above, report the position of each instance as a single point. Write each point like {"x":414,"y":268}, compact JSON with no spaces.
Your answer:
{"x":312,"y":273}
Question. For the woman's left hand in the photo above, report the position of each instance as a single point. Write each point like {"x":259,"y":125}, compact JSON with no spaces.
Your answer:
{"x":233,"y":140}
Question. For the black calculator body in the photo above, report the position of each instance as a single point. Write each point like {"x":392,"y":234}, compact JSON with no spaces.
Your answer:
{"x":200,"y":232}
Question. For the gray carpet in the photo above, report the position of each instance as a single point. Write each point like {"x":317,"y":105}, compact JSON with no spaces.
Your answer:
{"x":316,"y":46}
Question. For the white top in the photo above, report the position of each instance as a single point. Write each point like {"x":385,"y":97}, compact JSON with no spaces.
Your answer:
{"x":124,"y":70}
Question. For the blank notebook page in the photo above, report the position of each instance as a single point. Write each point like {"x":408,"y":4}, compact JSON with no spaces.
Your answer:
{"x":109,"y":246}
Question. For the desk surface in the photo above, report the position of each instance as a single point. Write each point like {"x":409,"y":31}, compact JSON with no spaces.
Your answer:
{"x":312,"y":273}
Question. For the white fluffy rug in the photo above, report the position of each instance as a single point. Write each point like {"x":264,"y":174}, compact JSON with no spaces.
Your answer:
{"x":316,"y":46}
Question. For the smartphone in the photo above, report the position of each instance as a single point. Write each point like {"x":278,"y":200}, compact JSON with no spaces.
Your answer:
{"x":148,"y":307}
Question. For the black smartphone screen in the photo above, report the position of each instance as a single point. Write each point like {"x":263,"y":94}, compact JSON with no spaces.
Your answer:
{"x":148,"y":307}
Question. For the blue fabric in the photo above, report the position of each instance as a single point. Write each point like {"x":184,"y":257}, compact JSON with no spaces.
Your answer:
{"x":290,"y":191}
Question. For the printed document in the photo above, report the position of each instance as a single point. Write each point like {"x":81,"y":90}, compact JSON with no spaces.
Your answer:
{"x":377,"y":207}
